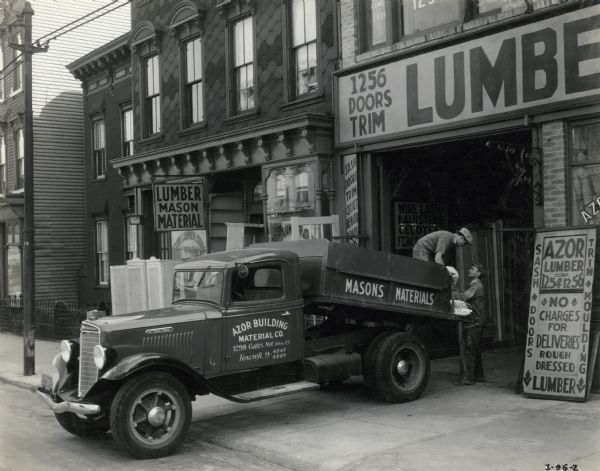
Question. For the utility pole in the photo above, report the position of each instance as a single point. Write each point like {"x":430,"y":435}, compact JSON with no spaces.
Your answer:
{"x":28,"y":50}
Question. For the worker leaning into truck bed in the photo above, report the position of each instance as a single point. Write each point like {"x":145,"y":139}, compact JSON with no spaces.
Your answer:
{"x":437,"y":246}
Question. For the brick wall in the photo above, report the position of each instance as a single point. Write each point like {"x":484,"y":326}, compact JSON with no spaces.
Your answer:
{"x":554,"y":168}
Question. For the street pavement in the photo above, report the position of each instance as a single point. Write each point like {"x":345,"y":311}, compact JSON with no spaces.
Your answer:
{"x":486,"y":426}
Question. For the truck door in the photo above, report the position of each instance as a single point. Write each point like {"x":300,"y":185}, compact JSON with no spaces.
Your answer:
{"x":264,"y":322}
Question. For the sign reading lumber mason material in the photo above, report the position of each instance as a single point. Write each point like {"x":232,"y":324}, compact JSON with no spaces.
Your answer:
{"x":178,"y":206}
{"x":560,"y":307}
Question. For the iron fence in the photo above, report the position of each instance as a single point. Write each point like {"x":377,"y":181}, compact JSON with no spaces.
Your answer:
{"x":54,"y":320}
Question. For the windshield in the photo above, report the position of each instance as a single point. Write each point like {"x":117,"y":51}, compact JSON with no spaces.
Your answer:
{"x":198,"y":286}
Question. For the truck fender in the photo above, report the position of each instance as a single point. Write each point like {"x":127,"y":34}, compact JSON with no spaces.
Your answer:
{"x":141,"y":361}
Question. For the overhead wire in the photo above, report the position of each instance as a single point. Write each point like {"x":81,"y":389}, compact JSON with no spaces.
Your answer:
{"x":76,"y":20}
{"x":62,"y":31}
{"x":37,"y":41}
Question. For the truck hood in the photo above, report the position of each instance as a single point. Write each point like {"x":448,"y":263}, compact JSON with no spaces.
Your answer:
{"x":174,"y":314}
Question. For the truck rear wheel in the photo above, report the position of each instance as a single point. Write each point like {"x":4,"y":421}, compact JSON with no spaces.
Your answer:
{"x":399,"y":368}
{"x":150,"y":415}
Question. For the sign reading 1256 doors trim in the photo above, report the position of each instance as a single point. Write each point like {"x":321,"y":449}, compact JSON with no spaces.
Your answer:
{"x":178,"y":206}
{"x":560,"y":307}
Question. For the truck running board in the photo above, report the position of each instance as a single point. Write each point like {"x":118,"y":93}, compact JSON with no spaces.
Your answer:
{"x":276,"y":391}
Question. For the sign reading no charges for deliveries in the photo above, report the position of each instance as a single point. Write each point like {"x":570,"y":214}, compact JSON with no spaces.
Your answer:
{"x":178,"y":206}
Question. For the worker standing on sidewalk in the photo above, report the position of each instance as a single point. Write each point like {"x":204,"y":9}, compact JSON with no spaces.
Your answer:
{"x":472,"y":332}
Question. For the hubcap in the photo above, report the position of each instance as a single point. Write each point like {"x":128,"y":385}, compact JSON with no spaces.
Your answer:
{"x":402,"y":367}
{"x":157,"y":416}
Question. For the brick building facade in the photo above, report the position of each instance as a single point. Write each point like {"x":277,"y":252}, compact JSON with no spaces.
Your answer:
{"x":231,"y":97}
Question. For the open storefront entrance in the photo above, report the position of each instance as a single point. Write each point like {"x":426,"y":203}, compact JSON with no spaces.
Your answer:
{"x":483,"y":183}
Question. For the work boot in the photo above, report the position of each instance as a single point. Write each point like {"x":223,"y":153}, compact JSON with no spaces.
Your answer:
{"x":462,"y":382}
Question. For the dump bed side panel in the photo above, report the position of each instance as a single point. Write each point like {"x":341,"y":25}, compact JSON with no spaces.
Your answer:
{"x":347,"y":275}
{"x":385,"y":281}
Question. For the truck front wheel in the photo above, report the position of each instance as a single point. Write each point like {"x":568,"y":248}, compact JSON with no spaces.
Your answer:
{"x":83,"y":426}
{"x":150,"y":415}
{"x":400,"y":368}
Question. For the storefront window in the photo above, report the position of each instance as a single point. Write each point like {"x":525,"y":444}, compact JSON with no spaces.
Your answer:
{"x":585,"y":173}
{"x":132,"y":239}
{"x":290,"y":192}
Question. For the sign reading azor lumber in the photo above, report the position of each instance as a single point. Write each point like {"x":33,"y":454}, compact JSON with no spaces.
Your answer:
{"x":560,"y":307}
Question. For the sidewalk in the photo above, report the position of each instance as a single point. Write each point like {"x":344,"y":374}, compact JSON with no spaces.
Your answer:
{"x":501,"y":366}
{"x":12,"y":360}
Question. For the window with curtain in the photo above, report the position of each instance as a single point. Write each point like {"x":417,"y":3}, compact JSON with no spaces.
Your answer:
{"x":1,"y":68}
{"x":13,"y":259}
{"x":243,"y":64}
{"x":304,"y":46}
{"x":98,"y":149}
{"x":102,"y":266}
{"x":2,"y":165}
{"x":585,"y":172}
{"x":193,"y":81}
{"x":152,"y":93}
{"x":20,"y":160}
{"x":127,"y":131}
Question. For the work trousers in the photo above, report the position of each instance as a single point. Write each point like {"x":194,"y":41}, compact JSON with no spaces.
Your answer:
{"x":421,"y":254}
{"x":472,"y":353}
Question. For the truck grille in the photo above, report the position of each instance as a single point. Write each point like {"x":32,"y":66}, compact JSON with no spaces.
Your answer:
{"x":88,"y":373}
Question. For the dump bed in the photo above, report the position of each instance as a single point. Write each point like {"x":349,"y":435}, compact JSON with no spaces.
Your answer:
{"x":346,"y":275}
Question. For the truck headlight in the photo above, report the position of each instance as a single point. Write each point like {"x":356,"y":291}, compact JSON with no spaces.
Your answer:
{"x":67,"y":350}
{"x":99,"y":356}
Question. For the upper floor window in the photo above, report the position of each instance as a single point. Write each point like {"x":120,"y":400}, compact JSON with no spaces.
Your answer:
{"x":127,"y":131}
{"x":99,"y":149}
{"x":2,"y":165}
{"x":421,"y":15}
{"x":243,"y":64}
{"x":152,"y":94}
{"x":20,"y":159}
{"x":17,"y":75}
{"x":384,"y":22}
{"x":304,"y":46}
{"x":193,"y":81}
{"x":102,"y":267}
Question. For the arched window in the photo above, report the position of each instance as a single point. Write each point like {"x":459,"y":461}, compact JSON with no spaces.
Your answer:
{"x":17,"y":75}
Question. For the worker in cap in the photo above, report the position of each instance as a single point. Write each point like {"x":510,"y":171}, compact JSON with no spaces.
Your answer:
{"x":472,"y":332}
{"x":434,"y":247}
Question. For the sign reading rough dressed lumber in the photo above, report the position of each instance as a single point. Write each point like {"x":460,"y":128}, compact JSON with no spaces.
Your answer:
{"x":560,"y":307}
{"x":178,"y":206}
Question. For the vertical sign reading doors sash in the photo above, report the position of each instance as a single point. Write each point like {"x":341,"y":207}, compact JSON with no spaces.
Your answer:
{"x":560,"y":307}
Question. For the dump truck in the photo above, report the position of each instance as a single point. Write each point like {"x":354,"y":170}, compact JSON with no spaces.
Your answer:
{"x":249,"y":324}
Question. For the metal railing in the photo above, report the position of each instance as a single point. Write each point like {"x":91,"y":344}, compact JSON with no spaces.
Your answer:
{"x":54,"y":320}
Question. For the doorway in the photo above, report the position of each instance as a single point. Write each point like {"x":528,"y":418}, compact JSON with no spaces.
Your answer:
{"x":466,"y":183}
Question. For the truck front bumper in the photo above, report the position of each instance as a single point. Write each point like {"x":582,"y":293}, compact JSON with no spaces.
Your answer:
{"x":59,"y":406}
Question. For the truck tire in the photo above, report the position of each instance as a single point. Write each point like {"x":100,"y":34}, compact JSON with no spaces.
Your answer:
{"x":369,"y":358}
{"x":150,"y":415}
{"x":400,"y":368}
{"x":84,"y":426}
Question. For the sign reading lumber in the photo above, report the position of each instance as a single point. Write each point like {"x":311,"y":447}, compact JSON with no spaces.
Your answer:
{"x":178,"y":206}
{"x":560,"y":307}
